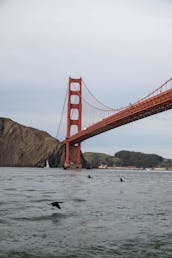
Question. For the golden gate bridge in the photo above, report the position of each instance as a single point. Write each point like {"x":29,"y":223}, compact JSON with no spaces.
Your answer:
{"x":85,"y":116}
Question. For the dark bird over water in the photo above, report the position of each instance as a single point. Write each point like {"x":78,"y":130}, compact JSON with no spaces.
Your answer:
{"x":89,"y":176}
{"x":121,"y":179}
{"x":56,"y":204}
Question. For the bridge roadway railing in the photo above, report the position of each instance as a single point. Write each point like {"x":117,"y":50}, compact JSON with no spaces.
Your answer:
{"x":139,"y":110}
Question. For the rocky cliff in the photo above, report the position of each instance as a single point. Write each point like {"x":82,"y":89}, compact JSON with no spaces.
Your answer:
{"x":25,"y":146}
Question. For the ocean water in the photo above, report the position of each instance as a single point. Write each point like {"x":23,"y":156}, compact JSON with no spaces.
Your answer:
{"x":99,"y":217}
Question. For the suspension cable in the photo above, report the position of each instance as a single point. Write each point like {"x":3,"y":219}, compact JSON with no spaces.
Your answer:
{"x":154,"y":91}
{"x":116,"y":110}
{"x":107,"y":107}
{"x":62,"y":114}
{"x":91,"y":105}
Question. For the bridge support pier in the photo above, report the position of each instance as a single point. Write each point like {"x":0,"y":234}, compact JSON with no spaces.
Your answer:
{"x":73,"y":151}
{"x":73,"y":156}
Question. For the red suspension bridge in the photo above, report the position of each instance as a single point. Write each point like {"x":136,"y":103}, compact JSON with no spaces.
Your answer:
{"x":83,"y":123}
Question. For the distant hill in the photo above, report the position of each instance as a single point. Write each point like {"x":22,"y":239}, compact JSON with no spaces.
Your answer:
{"x":138,"y":159}
{"x":96,"y":159}
{"x":127,"y":158}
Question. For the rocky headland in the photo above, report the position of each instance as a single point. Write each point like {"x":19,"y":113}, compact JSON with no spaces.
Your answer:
{"x":25,"y":146}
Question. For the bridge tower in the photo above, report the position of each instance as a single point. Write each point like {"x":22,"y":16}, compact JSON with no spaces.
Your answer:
{"x":73,"y":152}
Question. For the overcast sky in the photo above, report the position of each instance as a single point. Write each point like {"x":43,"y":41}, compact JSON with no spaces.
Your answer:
{"x":121,"y":48}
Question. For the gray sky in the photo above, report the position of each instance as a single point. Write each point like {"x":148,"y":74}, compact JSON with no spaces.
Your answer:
{"x":122,"y":49}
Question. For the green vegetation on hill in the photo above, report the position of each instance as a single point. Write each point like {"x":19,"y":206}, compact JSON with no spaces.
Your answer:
{"x":138,"y":159}
{"x":96,"y":159}
{"x":127,"y":158}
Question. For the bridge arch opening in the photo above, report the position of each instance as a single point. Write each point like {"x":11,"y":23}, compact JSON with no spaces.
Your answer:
{"x":74,"y":114}
{"x":74,"y":99}
{"x":73,"y":129}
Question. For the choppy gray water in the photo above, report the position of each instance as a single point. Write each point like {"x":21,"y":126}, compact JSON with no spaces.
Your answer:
{"x":100,"y":217}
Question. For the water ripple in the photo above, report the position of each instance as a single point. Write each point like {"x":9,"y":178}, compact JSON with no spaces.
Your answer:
{"x":101,"y":218}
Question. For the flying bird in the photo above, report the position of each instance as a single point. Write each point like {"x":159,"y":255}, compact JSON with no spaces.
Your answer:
{"x":56,"y":204}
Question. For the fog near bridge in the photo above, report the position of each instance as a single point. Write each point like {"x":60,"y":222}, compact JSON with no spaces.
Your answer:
{"x":122,"y":49}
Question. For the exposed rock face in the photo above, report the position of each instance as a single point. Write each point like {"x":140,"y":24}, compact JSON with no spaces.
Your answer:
{"x":25,"y":146}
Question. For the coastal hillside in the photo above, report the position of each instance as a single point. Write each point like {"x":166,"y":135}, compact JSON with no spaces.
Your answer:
{"x":28,"y":147}
{"x":127,"y":159}
{"x":25,"y":146}
{"x":96,"y":159}
{"x":138,"y":159}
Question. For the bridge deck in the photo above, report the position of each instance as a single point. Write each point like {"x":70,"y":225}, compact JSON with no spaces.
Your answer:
{"x":139,"y":110}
